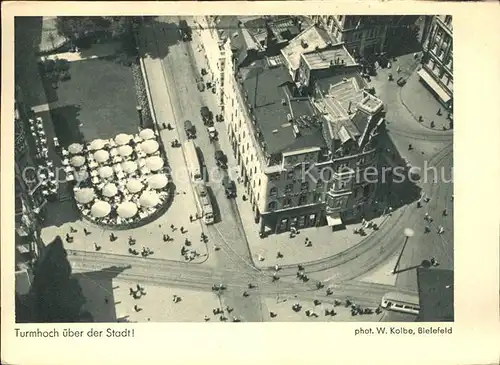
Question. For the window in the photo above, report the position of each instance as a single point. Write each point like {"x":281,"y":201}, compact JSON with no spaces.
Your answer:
{"x":319,"y":184}
{"x":304,"y":186}
{"x":302,"y":199}
{"x":287,"y":202}
{"x":273,"y":191}
{"x":290,"y":175}
{"x":288,"y":188}
{"x":317,"y":197}
{"x":272,"y":205}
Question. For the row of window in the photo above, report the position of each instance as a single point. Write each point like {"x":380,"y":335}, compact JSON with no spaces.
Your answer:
{"x":288,"y":201}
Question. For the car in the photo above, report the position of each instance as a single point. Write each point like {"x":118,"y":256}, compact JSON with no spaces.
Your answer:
{"x":229,"y":187}
{"x":401,"y":81}
{"x":205,"y":113}
{"x":220,"y":159}
{"x":190,"y":129}
{"x":200,"y":84}
{"x":212,"y":133}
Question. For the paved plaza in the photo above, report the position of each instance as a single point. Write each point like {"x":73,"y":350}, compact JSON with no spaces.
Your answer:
{"x":155,"y":305}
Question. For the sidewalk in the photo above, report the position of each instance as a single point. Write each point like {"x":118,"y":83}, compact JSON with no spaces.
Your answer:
{"x":95,"y":51}
{"x":419,"y":101}
{"x":325,"y":243}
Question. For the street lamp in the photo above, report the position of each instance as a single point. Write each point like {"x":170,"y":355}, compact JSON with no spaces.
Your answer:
{"x":408,"y":232}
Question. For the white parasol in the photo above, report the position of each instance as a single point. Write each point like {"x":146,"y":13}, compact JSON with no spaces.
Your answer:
{"x":125,"y":150}
{"x":106,"y":172}
{"x":110,"y":190}
{"x":134,"y":186}
{"x":147,"y":134}
{"x":127,"y":210}
{"x":100,"y":209}
{"x":158,"y":181}
{"x":154,"y":163}
{"x":101,"y":156}
{"x":77,"y":161}
{"x":150,"y":146}
{"x":84,"y":196}
{"x":97,"y":144}
{"x":129,"y":167}
{"x":149,"y":199}
{"x":122,"y":139}
{"x":75,"y":148}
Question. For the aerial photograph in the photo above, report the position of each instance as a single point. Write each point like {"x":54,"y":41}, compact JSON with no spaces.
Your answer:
{"x":278,"y":168}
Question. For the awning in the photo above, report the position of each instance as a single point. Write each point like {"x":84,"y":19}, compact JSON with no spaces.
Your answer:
{"x":333,"y":221}
{"x":443,"y":95}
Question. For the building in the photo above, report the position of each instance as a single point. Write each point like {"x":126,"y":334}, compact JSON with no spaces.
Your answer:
{"x":259,"y":35}
{"x":29,"y":198}
{"x":365,"y":35}
{"x":437,"y":70}
{"x":291,"y":153}
{"x":436,"y":292}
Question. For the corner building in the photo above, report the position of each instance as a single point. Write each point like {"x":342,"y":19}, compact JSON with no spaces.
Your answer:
{"x":291,"y":151}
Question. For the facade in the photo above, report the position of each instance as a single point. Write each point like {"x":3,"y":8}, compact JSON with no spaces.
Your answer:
{"x":29,"y":198}
{"x":437,"y":70}
{"x":364,"y":35}
{"x":290,"y":152}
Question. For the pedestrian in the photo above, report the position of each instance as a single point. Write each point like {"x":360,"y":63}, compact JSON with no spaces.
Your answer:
{"x":426,"y":216}
{"x":172,"y":227}
{"x":191,"y":218}
{"x":182,"y":229}
{"x":216,"y":248}
{"x":445,"y":212}
{"x":138,"y":287}
{"x":165,"y":238}
{"x":97,"y":248}
{"x":131,"y":292}
{"x":174,"y":299}
{"x":427,"y":229}
{"x":433,"y":124}
{"x":440,"y":230}
{"x":106,"y":300}
{"x":276,"y":267}
{"x":86,"y":232}
{"x":206,"y":318}
{"x":410,"y":147}
{"x":136,"y":308}
{"x":279,"y":255}
{"x":439,"y":111}
{"x":187,"y":242}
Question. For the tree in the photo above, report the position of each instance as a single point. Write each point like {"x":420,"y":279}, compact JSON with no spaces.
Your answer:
{"x":77,"y":27}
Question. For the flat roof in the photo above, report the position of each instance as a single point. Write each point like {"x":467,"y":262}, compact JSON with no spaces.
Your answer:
{"x":306,"y":41}
{"x":265,"y":89}
{"x":284,"y":29}
{"x":324,"y":58}
{"x":435,"y":288}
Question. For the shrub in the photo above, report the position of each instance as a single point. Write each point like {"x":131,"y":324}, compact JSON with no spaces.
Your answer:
{"x":49,"y":65}
{"x":62,"y":65}
{"x":140,"y":88}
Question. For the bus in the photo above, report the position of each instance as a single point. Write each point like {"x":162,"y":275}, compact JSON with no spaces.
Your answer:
{"x":193,"y":163}
{"x":399,"y":302}
{"x":204,"y":204}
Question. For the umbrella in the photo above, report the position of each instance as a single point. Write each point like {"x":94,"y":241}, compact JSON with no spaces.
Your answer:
{"x":77,"y":161}
{"x":125,"y":150}
{"x":134,"y":186}
{"x":81,"y":175}
{"x":154,"y":163}
{"x":149,"y":199}
{"x":147,"y":134}
{"x":127,"y":210}
{"x":150,"y":146}
{"x":105,"y":172}
{"x":101,"y":156}
{"x":129,"y":166}
{"x":97,"y":144}
{"x":122,"y":139}
{"x":85,"y":195}
{"x":75,"y":148}
{"x":100,"y":209}
{"x":110,"y":190}
{"x":158,"y":181}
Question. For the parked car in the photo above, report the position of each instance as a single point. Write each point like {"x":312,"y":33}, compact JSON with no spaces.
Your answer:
{"x":229,"y":187}
{"x":190,"y":129}
{"x":401,"y":81}
{"x":200,"y":84}
{"x":212,"y":133}
{"x":220,"y":159}
{"x":206,"y":115}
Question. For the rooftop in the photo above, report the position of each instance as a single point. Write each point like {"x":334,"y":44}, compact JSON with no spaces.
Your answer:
{"x":284,"y":29}
{"x":306,"y":41}
{"x":435,"y":287}
{"x":327,"y":57}
{"x":268,"y":91}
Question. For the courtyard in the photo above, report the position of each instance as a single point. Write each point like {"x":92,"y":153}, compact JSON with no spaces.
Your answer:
{"x":98,"y":101}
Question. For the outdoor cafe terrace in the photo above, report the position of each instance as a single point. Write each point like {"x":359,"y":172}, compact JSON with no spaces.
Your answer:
{"x":120,"y":181}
